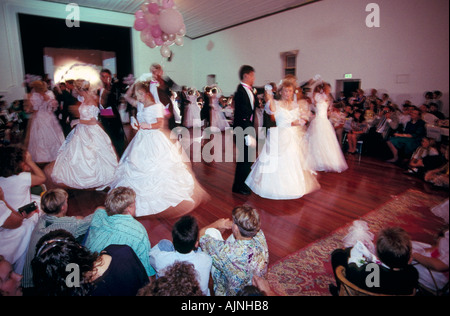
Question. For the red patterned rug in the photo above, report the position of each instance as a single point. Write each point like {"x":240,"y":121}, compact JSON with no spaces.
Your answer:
{"x":308,"y":271}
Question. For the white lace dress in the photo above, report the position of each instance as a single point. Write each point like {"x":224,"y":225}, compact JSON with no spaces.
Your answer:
{"x":280,"y":171}
{"x":154,"y":168}
{"x":87,"y":158}
{"x":46,"y":134}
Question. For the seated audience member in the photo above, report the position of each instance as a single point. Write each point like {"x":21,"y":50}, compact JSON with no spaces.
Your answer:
{"x":404,"y":116}
{"x":243,"y":255}
{"x":434,"y":110}
{"x":259,"y":287}
{"x":381,"y":128}
{"x":179,"y":279}
{"x":115,"y":225}
{"x":18,"y":173}
{"x":185,"y":241}
{"x":385,"y":100}
{"x":432,"y":262}
{"x":54,"y":205}
{"x":426,"y":149}
{"x":358,"y":128}
{"x":116,"y":271}
{"x":439,"y":176}
{"x":15,"y":232}
{"x":410,"y":139}
{"x":337,"y":119}
{"x":397,"y":276}
{"x":434,"y":162}
{"x":9,"y":280}
{"x":370,"y":112}
{"x":437,"y":99}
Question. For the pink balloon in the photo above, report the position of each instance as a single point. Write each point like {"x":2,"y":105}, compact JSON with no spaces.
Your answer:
{"x":167,"y":4}
{"x":146,"y":35}
{"x":140,"y":24}
{"x":159,"y":41}
{"x":151,"y":19}
{"x":153,"y":8}
{"x":170,"y":21}
{"x":151,"y":44}
{"x":156,"y":31}
{"x":139,"y":14}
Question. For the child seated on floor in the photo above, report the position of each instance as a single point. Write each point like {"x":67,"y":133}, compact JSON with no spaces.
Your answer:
{"x":184,"y":249}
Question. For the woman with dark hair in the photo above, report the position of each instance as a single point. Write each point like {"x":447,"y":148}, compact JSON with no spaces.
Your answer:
{"x":358,"y":127}
{"x":62,"y":267}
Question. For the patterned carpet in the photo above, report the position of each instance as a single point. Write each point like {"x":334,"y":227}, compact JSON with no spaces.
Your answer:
{"x":308,"y":272}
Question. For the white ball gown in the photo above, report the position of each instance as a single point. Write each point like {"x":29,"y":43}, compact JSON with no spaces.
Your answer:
{"x":325,"y":153}
{"x":87,"y":158}
{"x":46,"y":134}
{"x":192,"y":113}
{"x":280,"y":171}
{"x":153,"y":167}
{"x":218,"y":118}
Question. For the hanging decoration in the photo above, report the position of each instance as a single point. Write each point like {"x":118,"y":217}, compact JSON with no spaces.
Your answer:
{"x":160,"y":24}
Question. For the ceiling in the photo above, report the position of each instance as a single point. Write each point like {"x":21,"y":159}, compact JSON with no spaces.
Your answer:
{"x":203,"y":17}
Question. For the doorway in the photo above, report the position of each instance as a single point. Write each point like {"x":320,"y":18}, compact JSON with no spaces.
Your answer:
{"x":348,"y":86}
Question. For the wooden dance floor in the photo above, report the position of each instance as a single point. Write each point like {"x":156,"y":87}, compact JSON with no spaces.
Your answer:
{"x":288,"y":225}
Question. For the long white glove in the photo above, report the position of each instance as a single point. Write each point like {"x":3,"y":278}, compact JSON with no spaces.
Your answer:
{"x":134,"y":123}
{"x":250,"y":141}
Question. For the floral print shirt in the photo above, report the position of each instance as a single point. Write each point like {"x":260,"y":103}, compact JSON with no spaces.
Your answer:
{"x":236,"y":261}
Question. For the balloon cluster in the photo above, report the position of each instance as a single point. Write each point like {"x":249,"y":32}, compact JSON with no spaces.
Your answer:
{"x":160,"y":24}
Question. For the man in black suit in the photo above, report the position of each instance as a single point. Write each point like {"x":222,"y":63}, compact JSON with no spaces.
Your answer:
{"x":245,"y":101}
{"x":68,"y":100}
{"x":109,"y":98}
{"x":184,"y":102}
{"x":161,"y":87}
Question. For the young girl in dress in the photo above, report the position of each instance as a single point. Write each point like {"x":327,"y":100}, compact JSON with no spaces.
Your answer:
{"x":192,"y":116}
{"x":87,"y":159}
{"x":325,"y":154}
{"x":281,"y":171}
{"x":46,"y":134}
{"x":218,"y":118}
{"x":152,"y":165}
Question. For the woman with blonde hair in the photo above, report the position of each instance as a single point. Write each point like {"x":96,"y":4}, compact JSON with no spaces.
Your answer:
{"x":281,"y":172}
{"x":45,"y":135}
{"x":324,"y":153}
{"x":152,"y":165}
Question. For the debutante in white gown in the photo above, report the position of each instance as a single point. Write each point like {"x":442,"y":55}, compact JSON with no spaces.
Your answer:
{"x":280,"y":171}
{"x":87,"y":158}
{"x":153,"y":167}
{"x":192,"y":113}
{"x":46,"y":134}
{"x":325,"y":154}
{"x":218,"y":118}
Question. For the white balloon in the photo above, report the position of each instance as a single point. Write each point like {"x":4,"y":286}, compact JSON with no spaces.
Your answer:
{"x":165,"y":51}
{"x":179,"y":41}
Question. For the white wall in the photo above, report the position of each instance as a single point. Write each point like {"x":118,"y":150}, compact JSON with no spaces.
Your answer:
{"x":331,"y":35}
{"x":333,"y":40}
